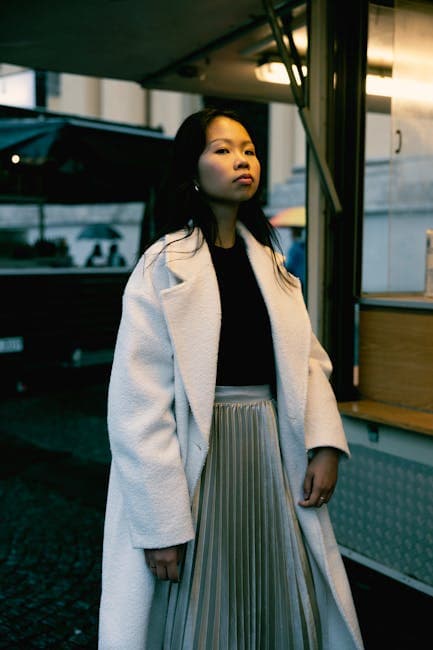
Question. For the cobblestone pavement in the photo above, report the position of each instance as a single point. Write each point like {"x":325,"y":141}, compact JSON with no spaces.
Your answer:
{"x":53,"y":474}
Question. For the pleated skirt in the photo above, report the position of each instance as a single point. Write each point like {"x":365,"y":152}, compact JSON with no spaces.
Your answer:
{"x":246,"y":582}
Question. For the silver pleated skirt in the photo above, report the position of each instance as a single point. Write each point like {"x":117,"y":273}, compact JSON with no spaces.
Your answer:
{"x":246,"y":582}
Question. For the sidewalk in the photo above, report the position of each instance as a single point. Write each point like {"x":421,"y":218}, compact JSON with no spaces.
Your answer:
{"x":53,"y":473}
{"x":54,"y":460}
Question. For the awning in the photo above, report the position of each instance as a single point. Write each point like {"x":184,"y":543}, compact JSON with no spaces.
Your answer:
{"x":60,"y":159}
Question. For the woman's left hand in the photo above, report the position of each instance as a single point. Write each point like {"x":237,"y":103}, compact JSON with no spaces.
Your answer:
{"x":164,"y":562}
{"x":320,"y":477}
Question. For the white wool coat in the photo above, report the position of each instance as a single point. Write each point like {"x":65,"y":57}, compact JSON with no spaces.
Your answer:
{"x":160,"y":406}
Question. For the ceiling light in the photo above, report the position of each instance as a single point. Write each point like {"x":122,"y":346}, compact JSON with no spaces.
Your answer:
{"x":399,"y":88}
{"x":376,"y":85}
{"x":275,"y":72}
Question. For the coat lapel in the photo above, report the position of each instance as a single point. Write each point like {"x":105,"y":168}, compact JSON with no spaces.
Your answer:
{"x":193,"y":312}
{"x":290,"y":326}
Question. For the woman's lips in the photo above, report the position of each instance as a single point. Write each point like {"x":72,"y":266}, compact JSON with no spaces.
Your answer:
{"x":245,"y":179}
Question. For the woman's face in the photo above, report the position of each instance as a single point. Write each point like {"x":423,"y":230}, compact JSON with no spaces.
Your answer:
{"x":228,"y":169}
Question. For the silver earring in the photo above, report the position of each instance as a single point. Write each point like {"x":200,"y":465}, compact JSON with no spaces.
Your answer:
{"x":196,"y":187}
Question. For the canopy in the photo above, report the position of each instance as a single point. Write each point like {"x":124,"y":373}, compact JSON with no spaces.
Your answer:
{"x":58,"y":159}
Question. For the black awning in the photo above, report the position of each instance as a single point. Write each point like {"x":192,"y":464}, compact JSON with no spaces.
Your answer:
{"x":65,"y":159}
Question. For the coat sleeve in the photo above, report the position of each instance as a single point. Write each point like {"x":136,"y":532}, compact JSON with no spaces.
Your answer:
{"x":323,"y":424}
{"x":141,"y":423}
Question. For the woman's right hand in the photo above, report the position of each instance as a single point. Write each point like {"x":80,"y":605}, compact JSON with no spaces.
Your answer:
{"x":163,"y":562}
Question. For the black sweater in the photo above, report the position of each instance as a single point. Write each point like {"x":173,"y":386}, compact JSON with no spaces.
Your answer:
{"x":245,"y":355}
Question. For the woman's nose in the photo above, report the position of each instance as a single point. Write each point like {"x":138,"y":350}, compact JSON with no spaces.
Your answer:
{"x":241,"y":162}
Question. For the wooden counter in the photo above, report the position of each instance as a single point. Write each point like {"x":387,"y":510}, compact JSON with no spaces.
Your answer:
{"x":394,"y":416}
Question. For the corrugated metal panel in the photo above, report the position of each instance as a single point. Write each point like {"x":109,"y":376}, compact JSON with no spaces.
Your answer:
{"x":383,"y":510}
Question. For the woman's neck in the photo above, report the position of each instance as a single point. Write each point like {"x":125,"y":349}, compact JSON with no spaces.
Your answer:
{"x":226,"y":218}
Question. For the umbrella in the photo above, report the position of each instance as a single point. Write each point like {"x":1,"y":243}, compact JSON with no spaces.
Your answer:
{"x":289,"y":217}
{"x":99,"y":231}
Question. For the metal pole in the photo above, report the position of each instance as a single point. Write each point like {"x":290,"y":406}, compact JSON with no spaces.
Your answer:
{"x":41,"y":221}
{"x":304,"y":113}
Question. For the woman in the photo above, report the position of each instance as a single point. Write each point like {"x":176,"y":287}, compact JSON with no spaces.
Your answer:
{"x":217,"y":535}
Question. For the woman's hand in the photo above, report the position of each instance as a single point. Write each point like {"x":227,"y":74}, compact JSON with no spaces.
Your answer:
{"x":320,"y":477}
{"x":163,"y":562}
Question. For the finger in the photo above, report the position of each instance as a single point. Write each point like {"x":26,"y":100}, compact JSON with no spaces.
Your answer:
{"x":307,"y":503}
{"x":161,"y":571}
{"x":149,"y":559}
{"x":151,"y":565}
{"x":324,"y":498}
{"x":173,"y":572}
{"x":328,"y":495}
{"x":307,"y":487}
{"x":319,"y":492}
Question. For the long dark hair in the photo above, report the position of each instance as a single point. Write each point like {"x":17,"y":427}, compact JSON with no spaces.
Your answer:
{"x":179,"y":206}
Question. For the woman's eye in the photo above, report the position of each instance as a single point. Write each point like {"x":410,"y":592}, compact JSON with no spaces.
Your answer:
{"x":250,"y":152}
{"x":222,"y":150}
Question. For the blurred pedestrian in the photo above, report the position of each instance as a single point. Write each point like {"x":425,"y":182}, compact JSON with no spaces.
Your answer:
{"x":295,"y":260}
{"x":114,"y":256}
{"x":217,"y":533}
{"x":96,"y":258}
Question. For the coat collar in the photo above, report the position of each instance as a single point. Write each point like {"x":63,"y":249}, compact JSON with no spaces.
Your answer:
{"x":193,"y":311}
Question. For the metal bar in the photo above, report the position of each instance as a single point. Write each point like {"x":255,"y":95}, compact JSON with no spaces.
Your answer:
{"x":258,"y":46}
{"x":386,"y":571}
{"x":296,"y":58}
{"x":304,"y":113}
{"x":348,"y":32}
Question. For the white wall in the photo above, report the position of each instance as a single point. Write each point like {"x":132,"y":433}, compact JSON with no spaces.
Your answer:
{"x":78,"y":96}
{"x":168,"y":109}
{"x":377,"y":136}
{"x":286,"y":142}
{"x":123,"y":101}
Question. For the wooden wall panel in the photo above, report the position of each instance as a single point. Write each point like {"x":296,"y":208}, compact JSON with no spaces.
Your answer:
{"x":396,"y":357}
